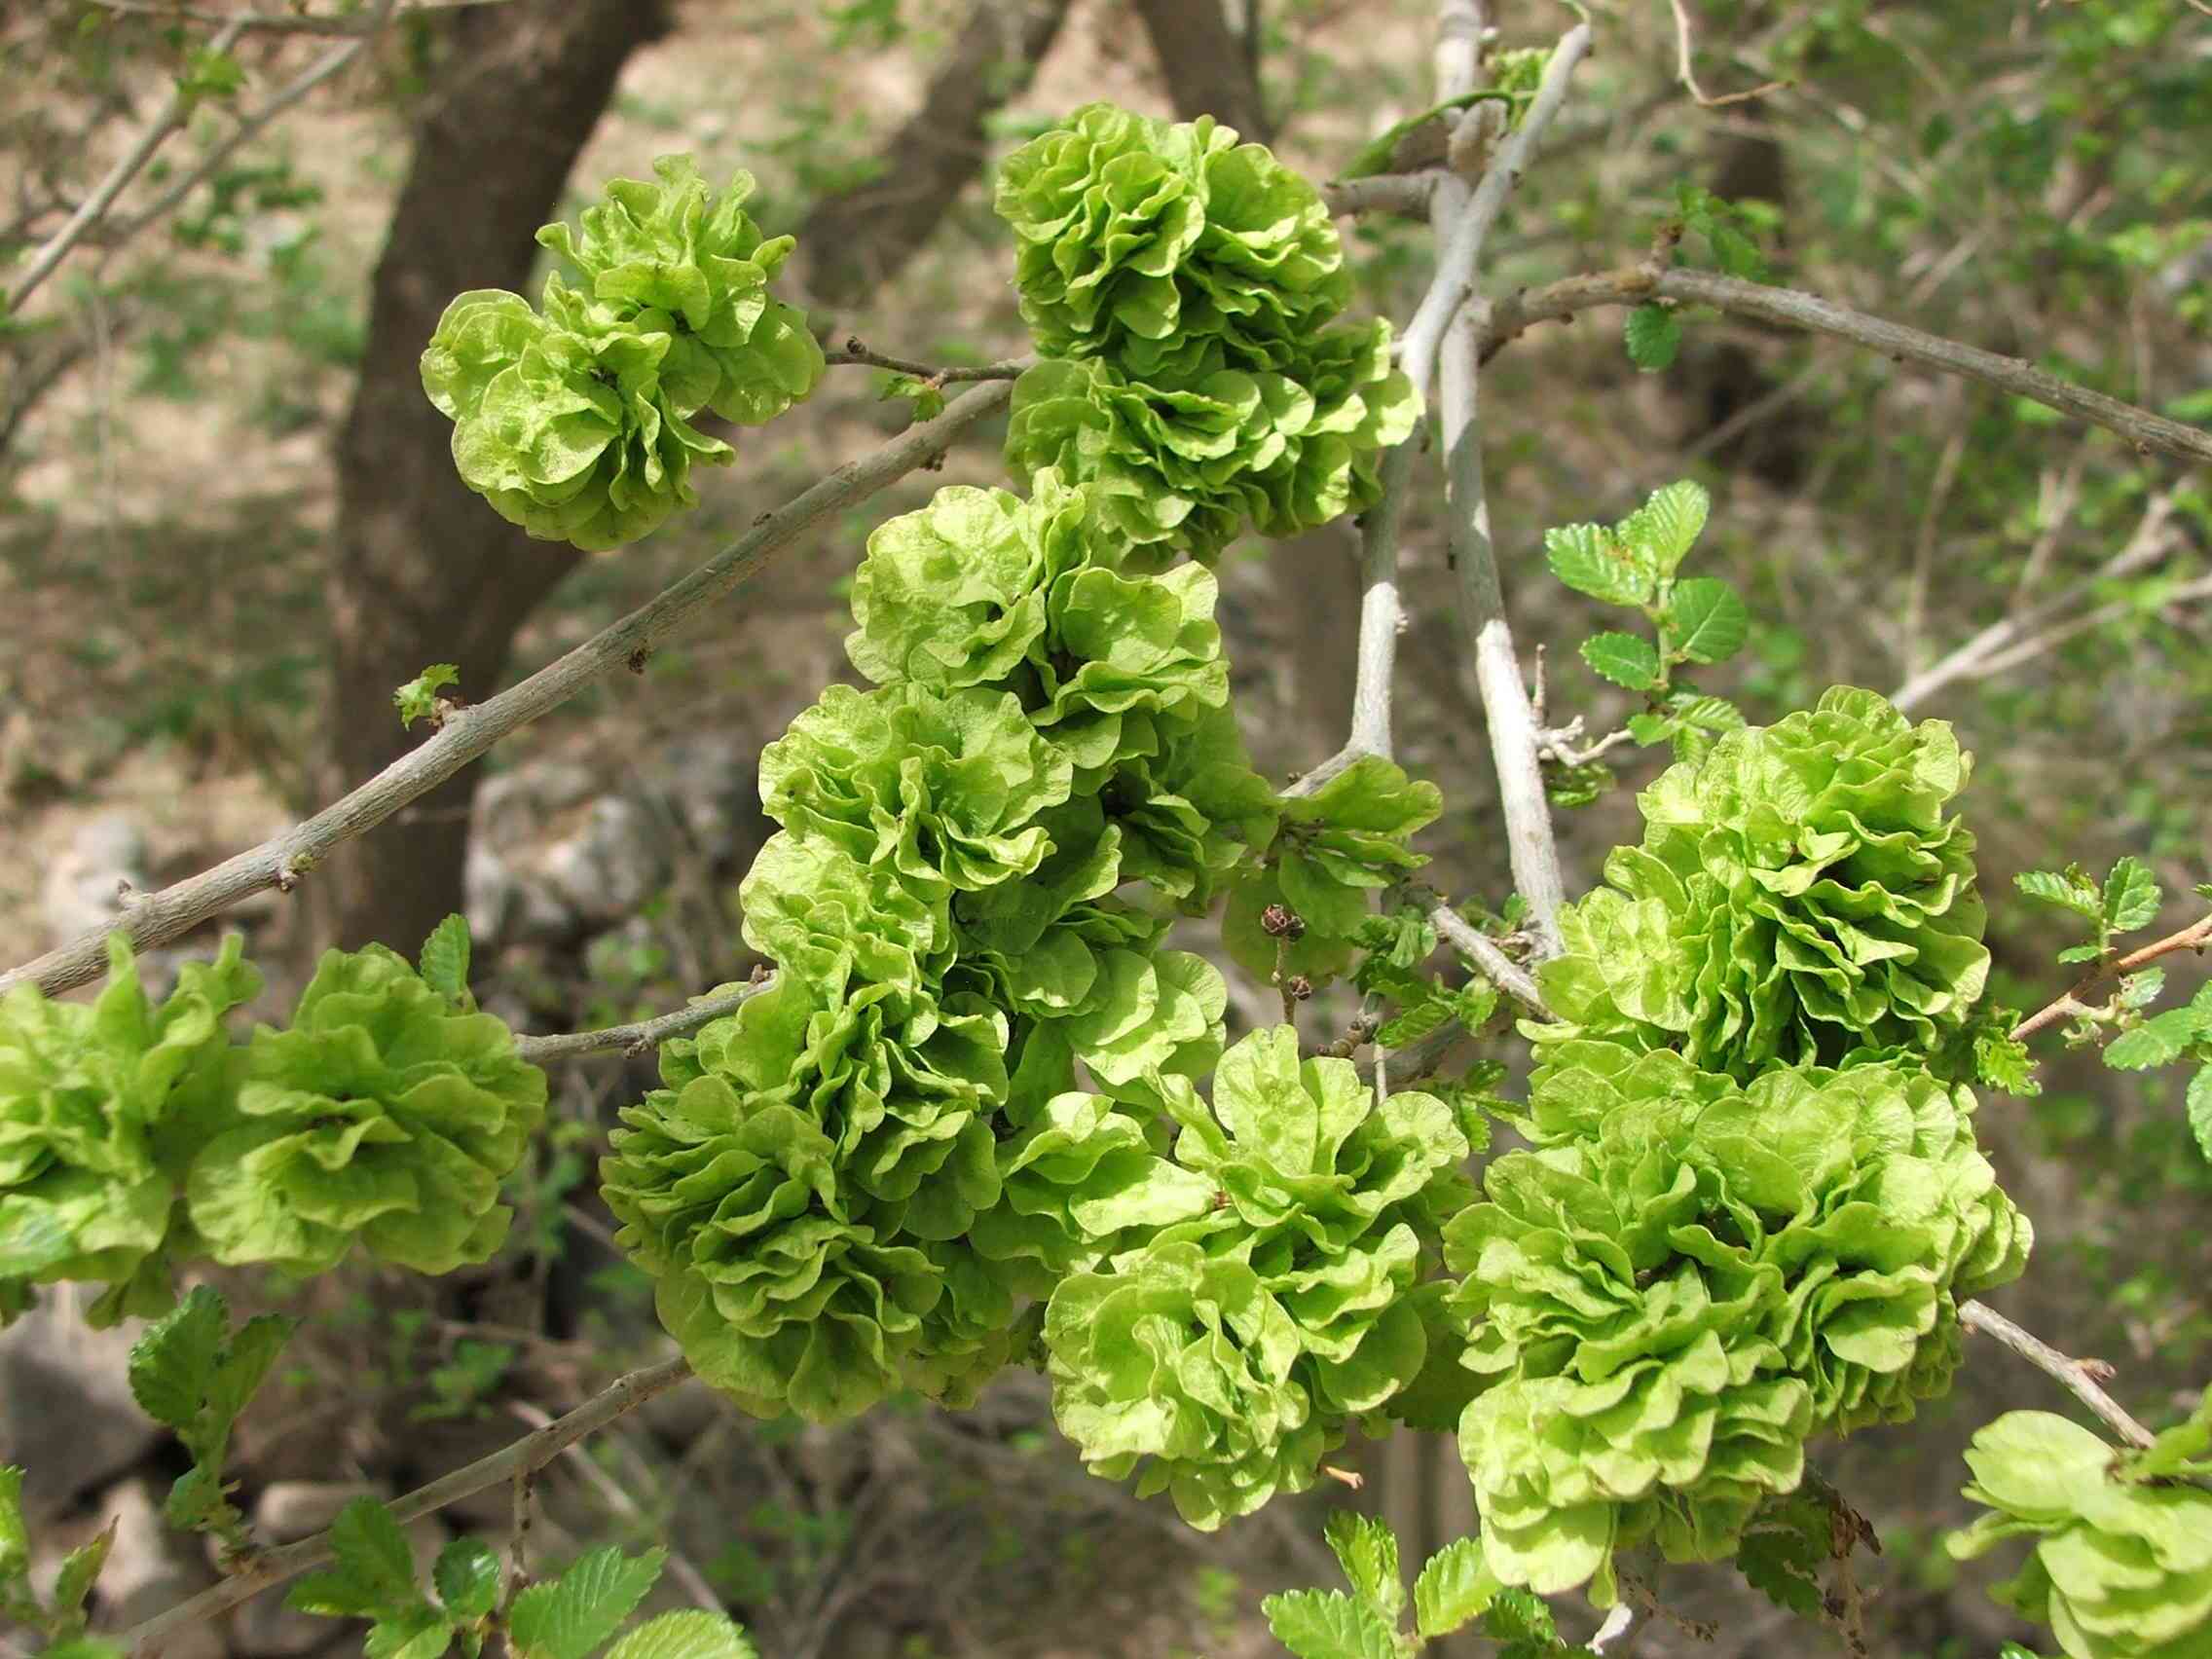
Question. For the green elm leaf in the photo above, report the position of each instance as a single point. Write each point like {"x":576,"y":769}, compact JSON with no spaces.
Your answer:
{"x":2141,"y":989}
{"x":1649,"y":729}
{"x":467,"y":1578}
{"x":691,"y":1634}
{"x":1368,"y":1551}
{"x":1455,"y":1586}
{"x":418,"y":699}
{"x":2071,"y":891}
{"x":1668,"y":525}
{"x":173,"y":1366}
{"x":1625,"y":659}
{"x":2081,"y":953}
{"x":373,"y":1573}
{"x":245,"y":1364}
{"x":1653,"y":335}
{"x":1783,"y":1551}
{"x":79,"y":1568}
{"x":2156,"y":1041}
{"x":424,"y":1634}
{"x":2199,"y":1102}
{"x":1590,"y":559}
{"x":1709,"y":622}
{"x":15,"y":1541}
{"x":2131,"y":896}
{"x":444,"y":959}
{"x":570,"y":1617}
{"x":1328,"y":1624}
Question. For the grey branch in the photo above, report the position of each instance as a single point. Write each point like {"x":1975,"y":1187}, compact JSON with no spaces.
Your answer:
{"x":1485,"y":952}
{"x":2079,"y":1375}
{"x":642,"y":1035}
{"x":2041,"y":627}
{"x":279,"y":861}
{"x":532,"y":1452}
{"x":95,"y":208}
{"x":280,"y":22}
{"x":1789,"y":308}
{"x":857,"y":350}
{"x":1445,"y":323}
{"x":1383,"y":193}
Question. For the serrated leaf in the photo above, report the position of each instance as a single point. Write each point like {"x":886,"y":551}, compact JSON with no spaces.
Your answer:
{"x":574,"y":1614}
{"x":2155,"y":1042}
{"x":691,"y":1634}
{"x":1433,"y":1014}
{"x":424,"y":1634}
{"x":1709,"y":622}
{"x":196,"y":1501}
{"x":444,"y":959}
{"x":244,"y":1365}
{"x":2054,"y":888}
{"x":1328,"y":1624}
{"x":1665,"y":529}
{"x":1590,"y":559}
{"x":1784,"y":1550}
{"x":418,"y":699}
{"x":2142,"y":988}
{"x":372,"y":1575}
{"x":1653,"y":334}
{"x":1454,"y":1587}
{"x":79,"y":1568}
{"x":1625,"y":659}
{"x":15,"y":1539}
{"x":2131,"y":896}
{"x":1368,"y":1551}
{"x":172,"y":1365}
{"x":2081,"y":953}
{"x":1647,"y":728}
{"x":2200,"y":1104}
{"x":466,"y":1576}
{"x":1515,"y":1614}
{"x":2001,"y":1063}
{"x":1705,"y":711}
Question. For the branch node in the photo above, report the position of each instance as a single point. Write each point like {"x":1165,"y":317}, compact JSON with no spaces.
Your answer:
{"x":637,"y":660}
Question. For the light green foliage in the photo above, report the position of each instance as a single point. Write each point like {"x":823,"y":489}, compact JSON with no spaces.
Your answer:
{"x":61,"y":1614}
{"x":193,"y":1373}
{"x":570,"y":1616}
{"x":103,"y":1108}
{"x":2128,"y":899}
{"x":1653,"y":335}
{"x":418,"y":699}
{"x":1692,"y":1277}
{"x":574,"y":418}
{"x":2121,"y":1562}
{"x":382,"y":1114}
{"x":1181,"y":287}
{"x":1315,"y":1212}
{"x":1799,"y":896}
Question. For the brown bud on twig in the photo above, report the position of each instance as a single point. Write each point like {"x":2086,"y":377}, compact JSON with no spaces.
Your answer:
{"x":1298,"y":987}
{"x":1280,"y":921}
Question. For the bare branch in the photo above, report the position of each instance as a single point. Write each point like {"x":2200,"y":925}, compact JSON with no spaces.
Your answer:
{"x":857,"y":350}
{"x":2081,"y":1376}
{"x":1383,"y":193}
{"x":1688,"y":74}
{"x":280,"y":22}
{"x":1789,"y":308}
{"x":532,"y":1452}
{"x":2196,"y":937}
{"x":279,"y":861}
{"x":1486,"y":954}
{"x":90,"y":211}
{"x":642,"y":1036}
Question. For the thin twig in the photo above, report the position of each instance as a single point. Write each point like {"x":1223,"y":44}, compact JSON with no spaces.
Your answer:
{"x":1790,"y":308}
{"x":857,"y":350}
{"x":280,"y":22}
{"x":90,"y":211}
{"x":2081,"y":1376}
{"x":159,"y":917}
{"x":2197,"y":936}
{"x":642,"y":1036}
{"x":1688,"y":74}
{"x":1381,"y":615}
{"x":1507,"y":975}
{"x":2044,"y":624}
{"x":320,"y":70}
{"x":532,"y":1452}
{"x":1380,"y":193}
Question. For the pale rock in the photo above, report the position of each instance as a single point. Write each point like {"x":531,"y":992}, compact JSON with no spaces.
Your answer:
{"x":66,"y":1412}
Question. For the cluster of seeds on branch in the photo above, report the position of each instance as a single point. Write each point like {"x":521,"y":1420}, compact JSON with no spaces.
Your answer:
{"x":574,"y":418}
{"x":1754,"y":1198}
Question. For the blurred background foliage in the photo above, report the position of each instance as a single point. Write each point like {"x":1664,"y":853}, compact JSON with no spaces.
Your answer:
{"x":180,"y":405}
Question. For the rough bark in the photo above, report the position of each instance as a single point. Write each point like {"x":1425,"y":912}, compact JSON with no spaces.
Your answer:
{"x":1208,"y":66}
{"x":855,"y":241}
{"x":424,"y":571}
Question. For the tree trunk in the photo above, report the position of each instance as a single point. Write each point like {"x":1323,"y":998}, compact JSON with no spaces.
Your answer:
{"x":426,"y":572}
{"x":1209,"y":69}
{"x":858,"y":240}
